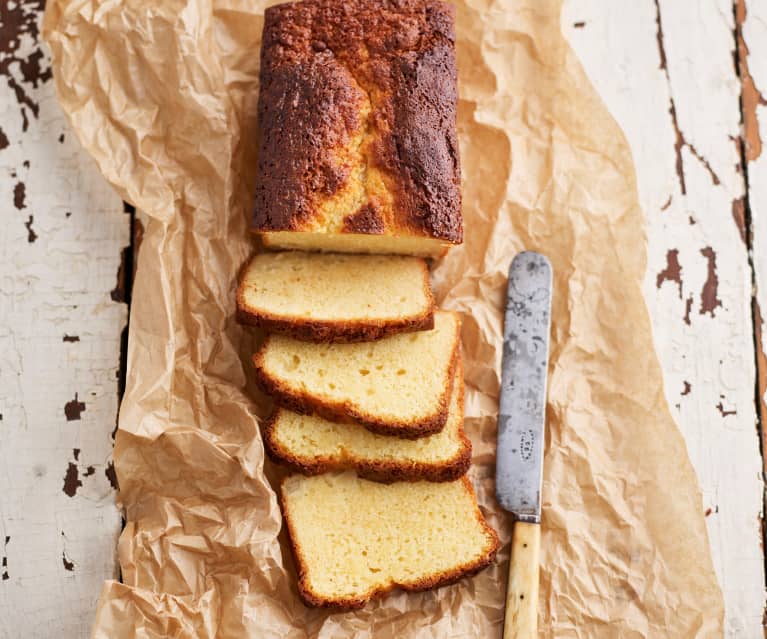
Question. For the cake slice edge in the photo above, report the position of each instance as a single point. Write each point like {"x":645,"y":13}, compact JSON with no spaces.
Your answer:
{"x":301,"y":401}
{"x":381,"y":470}
{"x":346,"y":330}
{"x":425,"y":582}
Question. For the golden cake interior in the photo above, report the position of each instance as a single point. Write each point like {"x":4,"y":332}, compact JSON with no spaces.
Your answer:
{"x":337,"y":288}
{"x":399,"y":378}
{"x":305,"y":438}
{"x":355,"y":537}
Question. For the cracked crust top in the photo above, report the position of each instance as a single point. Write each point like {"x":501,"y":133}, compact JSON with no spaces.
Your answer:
{"x":357,"y":115}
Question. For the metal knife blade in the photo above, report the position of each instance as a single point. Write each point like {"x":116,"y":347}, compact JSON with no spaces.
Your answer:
{"x":524,"y":368}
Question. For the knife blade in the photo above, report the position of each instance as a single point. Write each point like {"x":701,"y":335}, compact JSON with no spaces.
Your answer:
{"x":519,"y":469}
{"x":521,"y":422}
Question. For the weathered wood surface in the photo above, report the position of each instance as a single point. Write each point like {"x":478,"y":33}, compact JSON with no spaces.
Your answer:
{"x":752,"y":59}
{"x":61,"y":320}
{"x":666,"y":71}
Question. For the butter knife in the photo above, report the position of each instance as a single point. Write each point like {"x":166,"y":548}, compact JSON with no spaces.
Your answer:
{"x":521,"y":422}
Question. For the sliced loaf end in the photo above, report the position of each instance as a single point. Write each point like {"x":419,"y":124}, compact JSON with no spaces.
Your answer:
{"x":356,"y":243}
{"x":355,"y":540}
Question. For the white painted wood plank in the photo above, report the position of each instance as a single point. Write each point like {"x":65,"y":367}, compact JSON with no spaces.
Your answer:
{"x":62,"y":234}
{"x":676,"y":95}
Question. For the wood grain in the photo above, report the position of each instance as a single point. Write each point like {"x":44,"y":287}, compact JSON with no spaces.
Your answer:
{"x":521,"y":621}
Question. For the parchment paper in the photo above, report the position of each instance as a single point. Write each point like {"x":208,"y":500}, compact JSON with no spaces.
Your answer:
{"x":162,"y":94}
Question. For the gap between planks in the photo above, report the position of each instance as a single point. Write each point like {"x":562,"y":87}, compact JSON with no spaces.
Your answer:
{"x":749,"y":132}
{"x":124,"y":293}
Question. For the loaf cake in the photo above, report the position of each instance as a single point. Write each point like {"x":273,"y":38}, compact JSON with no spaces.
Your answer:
{"x":336,"y":298}
{"x":311,"y":445}
{"x":355,"y":539}
{"x":357,"y":119}
{"x":398,"y":385}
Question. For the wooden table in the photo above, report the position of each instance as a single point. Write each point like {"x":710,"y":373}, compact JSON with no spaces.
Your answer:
{"x":682,"y":79}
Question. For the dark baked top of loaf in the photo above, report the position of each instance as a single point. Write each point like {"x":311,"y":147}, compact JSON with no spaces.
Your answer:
{"x":357,"y":116}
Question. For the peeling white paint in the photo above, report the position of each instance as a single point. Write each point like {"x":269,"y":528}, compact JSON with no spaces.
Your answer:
{"x":59,"y":549}
{"x":755,"y":36}
{"x":712,"y":354}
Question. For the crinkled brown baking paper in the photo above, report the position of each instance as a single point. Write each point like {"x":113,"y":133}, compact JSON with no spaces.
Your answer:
{"x":162,"y":94}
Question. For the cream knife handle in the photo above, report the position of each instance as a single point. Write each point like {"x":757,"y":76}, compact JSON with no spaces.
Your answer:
{"x":521,"y":620}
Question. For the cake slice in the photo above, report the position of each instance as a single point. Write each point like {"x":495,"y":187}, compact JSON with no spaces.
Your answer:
{"x":311,"y":445}
{"x":398,"y":385}
{"x":355,"y":539}
{"x":358,"y":150}
{"x":336,"y":298}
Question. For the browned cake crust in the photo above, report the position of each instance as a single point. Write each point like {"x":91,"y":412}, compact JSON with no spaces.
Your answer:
{"x":305,"y":403}
{"x":381,"y":470}
{"x":362,"y":330}
{"x":336,"y":332}
{"x":427,"y":583}
{"x":359,"y":90}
